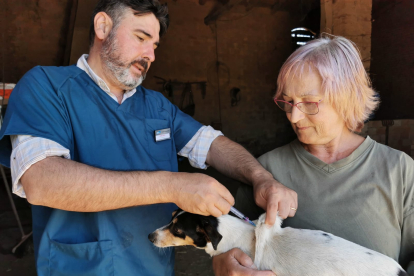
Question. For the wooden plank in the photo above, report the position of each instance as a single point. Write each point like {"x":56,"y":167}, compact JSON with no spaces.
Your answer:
{"x":220,"y":11}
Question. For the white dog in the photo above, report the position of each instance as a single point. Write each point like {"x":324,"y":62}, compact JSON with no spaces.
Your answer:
{"x":285,"y":251}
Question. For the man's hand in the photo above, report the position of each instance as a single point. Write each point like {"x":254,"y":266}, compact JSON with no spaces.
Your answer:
{"x":272,"y":196}
{"x":235,"y":262}
{"x":201,"y":194}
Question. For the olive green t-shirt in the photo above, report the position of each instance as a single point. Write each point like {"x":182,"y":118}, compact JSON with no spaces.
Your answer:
{"x":366,"y":198}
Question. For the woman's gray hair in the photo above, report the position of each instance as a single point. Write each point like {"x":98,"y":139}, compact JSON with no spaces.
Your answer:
{"x":345,"y":83}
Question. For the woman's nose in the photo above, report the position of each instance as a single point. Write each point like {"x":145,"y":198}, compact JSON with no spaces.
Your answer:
{"x":296,"y":115}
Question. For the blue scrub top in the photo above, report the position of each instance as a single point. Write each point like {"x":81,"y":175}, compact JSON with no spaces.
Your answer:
{"x":65,"y":105}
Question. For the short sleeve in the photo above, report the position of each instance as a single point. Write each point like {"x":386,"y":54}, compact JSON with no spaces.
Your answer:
{"x":184,"y":126}
{"x":35,"y":108}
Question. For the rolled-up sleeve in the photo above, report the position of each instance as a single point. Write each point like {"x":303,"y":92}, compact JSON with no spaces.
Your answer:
{"x":197,"y":148}
{"x":27,"y":150}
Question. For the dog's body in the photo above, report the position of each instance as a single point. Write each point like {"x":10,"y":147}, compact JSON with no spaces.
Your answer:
{"x":285,"y":251}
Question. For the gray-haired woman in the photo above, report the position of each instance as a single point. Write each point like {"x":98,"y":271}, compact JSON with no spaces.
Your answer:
{"x":347,"y":185}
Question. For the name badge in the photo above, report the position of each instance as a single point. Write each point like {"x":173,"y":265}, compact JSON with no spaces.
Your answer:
{"x":162,"y":134}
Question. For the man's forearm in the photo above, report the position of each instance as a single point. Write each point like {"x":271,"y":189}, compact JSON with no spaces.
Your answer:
{"x":64,"y":184}
{"x":235,"y":161}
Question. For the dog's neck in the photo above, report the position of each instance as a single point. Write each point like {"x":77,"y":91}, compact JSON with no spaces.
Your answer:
{"x":236,"y":233}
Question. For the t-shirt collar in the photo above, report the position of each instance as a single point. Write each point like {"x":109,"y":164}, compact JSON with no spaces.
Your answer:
{"x":333,"y":167}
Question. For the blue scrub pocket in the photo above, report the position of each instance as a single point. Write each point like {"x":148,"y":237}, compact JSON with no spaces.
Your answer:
{"x":162,"y":150}
{"x":83,"y":259}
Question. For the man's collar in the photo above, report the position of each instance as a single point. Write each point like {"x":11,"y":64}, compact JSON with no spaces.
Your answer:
{"x":83,"y":64}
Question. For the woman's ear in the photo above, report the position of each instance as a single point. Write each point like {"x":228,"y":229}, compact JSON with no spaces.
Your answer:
{"x":210,"y":230}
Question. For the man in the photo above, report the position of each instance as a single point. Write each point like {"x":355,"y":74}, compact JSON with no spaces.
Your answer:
{"x":118,"y":180}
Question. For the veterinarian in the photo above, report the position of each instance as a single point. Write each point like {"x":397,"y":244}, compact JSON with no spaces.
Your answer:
{"x":95,"y":153}
{"x":348,"y":185}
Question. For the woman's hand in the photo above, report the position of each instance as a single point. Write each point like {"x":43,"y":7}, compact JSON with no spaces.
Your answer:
{"x":236,"y":263}
{"x":272,"y":196}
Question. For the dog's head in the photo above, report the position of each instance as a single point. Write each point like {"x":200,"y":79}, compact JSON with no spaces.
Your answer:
{"x":187,"y":229}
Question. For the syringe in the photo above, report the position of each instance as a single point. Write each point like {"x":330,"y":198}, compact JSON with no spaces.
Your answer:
{"x":240,"y":215}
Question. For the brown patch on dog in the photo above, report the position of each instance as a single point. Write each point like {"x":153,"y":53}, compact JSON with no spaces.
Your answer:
{"x":201,"y":230}
{"x":165,"y":238}
{"x":174,"y":220}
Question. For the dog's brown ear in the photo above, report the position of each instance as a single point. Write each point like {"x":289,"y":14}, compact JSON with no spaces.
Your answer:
{"x":210,"y":230}
{"x":175,"y":212}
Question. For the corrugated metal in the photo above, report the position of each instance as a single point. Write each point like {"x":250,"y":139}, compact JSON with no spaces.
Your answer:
{"x":392,"y":65}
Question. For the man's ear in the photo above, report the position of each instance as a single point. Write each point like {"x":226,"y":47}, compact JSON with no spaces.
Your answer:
{"x":211,"y":232}
{"x":103,"y":25}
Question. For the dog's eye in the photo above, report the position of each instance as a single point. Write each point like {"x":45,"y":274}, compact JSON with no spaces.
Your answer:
{"x":176,"y":231}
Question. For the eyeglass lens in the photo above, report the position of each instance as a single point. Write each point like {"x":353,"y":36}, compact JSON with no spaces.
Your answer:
{"x":308,"y":108}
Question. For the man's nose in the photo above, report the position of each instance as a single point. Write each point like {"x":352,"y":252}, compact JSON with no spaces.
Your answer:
{"x":149,"y":54}
{"x":152,"y":237}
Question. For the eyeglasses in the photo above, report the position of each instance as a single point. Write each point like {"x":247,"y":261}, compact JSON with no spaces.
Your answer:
{"x":310,"y":108}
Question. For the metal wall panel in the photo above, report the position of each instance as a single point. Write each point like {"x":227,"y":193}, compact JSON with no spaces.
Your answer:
{"x":392,"y":65}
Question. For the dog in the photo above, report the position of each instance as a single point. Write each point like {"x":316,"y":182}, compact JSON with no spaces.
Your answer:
{"x":285,"y":251}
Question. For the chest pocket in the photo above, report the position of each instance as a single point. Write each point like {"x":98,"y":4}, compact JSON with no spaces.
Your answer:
{"x":161,"y":150}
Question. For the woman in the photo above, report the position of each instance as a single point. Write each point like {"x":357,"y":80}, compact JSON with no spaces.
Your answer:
{"x":348,"y":185}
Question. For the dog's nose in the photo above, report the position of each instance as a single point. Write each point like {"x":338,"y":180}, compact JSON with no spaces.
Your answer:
{"x":152,"y":237}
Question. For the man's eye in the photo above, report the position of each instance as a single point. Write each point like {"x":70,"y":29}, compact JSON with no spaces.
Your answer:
{"x":140,"y":38}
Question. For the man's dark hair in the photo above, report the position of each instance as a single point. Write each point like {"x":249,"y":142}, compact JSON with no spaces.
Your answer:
{"x":116,"y":9}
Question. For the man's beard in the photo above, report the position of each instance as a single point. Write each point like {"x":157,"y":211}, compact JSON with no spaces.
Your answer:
{"x":119,"y":68}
